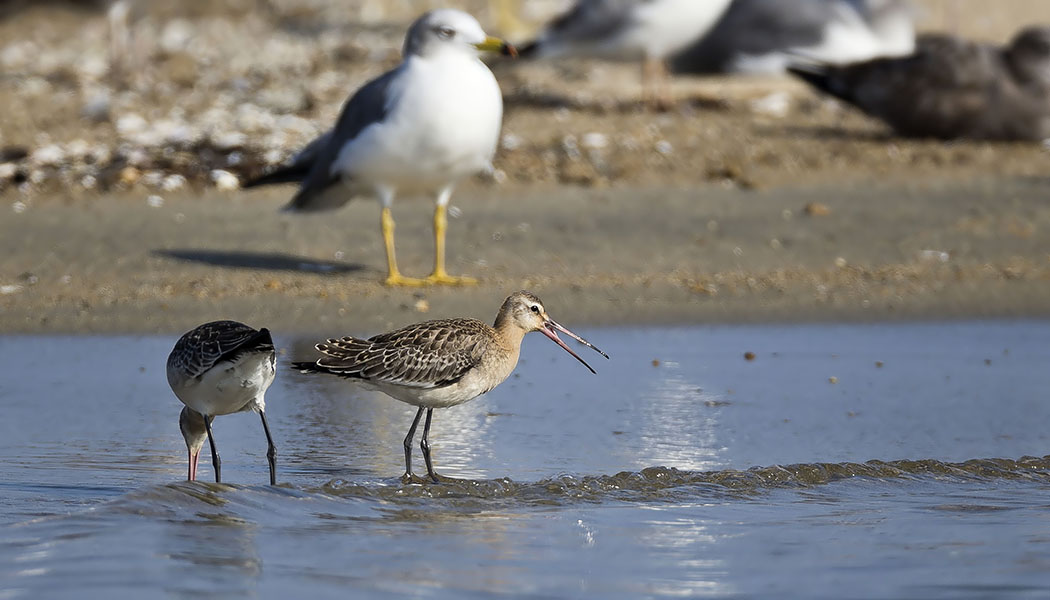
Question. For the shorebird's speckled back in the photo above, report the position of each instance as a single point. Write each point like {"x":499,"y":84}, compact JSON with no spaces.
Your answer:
{"x":204,"y":346}
{"x":428,"y":354}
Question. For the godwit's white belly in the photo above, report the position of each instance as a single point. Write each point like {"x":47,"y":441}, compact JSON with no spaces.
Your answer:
{"x":229,"y":387}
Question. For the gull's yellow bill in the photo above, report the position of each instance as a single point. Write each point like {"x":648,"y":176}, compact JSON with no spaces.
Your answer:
{"x":495,"y":44}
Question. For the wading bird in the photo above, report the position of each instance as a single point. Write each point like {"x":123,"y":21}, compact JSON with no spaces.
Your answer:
{"x":437,"y":364}
{"x":220,"y":368}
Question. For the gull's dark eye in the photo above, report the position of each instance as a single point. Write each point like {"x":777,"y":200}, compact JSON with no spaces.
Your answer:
{"x":535,"y":308}
{"x":446,"y":33}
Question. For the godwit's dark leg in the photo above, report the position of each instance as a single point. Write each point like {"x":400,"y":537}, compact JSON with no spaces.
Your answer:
{"x":271,"y":450}
{"x":216,"y":462}
{"x":424,"y":445}
{"x":408,"y":444}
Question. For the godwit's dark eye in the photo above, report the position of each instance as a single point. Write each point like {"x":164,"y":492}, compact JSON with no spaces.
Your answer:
{"x":446,"y":33}
{"x":535,"y":308}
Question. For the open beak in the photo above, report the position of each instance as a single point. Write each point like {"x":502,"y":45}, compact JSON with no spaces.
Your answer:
{"x":551,"y":329}
{"x":494,"y":44}
{"x":194,"y":456}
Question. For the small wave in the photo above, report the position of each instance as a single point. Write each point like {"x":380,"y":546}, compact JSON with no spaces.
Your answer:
{"x":670,"y":484}
{"x":235,"y":504}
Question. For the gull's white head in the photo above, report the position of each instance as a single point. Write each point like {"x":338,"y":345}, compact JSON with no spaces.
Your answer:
{"x":450,"y":30}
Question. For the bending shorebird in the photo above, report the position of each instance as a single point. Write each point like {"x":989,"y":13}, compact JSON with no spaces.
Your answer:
{"x":951,"y":88}
{"x":220,"y":368}
{"x":649,"y":31}
{"x":765,"y":36}
{"x":419,"y":128}
{"x":437,"y":364}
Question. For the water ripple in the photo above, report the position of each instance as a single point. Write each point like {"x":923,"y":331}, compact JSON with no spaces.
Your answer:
{"x":653,"y":484}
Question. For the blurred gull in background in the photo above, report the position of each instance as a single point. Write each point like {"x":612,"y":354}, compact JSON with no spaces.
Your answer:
{"x":635,"y":30}
{"x":762,"y":36}
{"x":951,"y":88}
{"x":419,"y":128}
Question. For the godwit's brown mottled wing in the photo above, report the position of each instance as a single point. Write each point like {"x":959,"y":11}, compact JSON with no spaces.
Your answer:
{"x":203,"y":347}
{"x":424,"y":355}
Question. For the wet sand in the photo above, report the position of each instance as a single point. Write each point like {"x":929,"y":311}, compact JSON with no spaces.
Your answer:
{"x":613,"y":256}
{"x":612,"y":213}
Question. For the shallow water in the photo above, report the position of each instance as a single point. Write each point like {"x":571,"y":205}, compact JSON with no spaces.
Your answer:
{"x":681,"y":469}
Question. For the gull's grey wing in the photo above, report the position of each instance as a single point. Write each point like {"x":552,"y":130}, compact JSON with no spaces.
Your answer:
{"x":313,"y":165}
{"x":425,"y":355}
{"x":588,"y":21}
{"x":212,"y":343}
{"x":872,"y":11}
{"x":757,"y":27}
{"x":296,"y":170}
{"x":368,"y":106}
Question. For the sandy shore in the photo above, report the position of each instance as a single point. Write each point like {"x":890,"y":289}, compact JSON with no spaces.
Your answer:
{"x":621,"y":256}
{"x":613,"y":214}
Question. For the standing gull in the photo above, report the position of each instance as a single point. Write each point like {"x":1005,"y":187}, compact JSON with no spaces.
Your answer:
{"x":419,"y":128}
{"x":764,"y":36}
{"x":437,"y":364}
{"x":634,"y":30}
{"x":220,"y":368}
{"x":951,"y":88}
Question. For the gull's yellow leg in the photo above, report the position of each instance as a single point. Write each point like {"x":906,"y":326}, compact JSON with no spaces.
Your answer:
{"x":440,"y":275}
{"x":394,"y":276}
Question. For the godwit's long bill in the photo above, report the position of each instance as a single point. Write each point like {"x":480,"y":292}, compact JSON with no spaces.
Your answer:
{"x":437,"y":364}
{"x":220,"y":368}
{"x":419,"y":128}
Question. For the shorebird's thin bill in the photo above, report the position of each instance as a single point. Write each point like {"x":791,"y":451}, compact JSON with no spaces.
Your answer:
{"x":550,"y":329}
{"x":494,"y":44}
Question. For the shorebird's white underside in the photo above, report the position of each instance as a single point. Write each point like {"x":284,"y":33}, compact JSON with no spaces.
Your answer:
{"x":231,"y":386}
{"x":472,"y":385}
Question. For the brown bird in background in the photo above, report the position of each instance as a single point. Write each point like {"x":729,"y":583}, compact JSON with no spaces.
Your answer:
{"x":951,"y":88}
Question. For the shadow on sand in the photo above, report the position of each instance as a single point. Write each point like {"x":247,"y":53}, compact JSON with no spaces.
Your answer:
{"x":270,"y":261}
